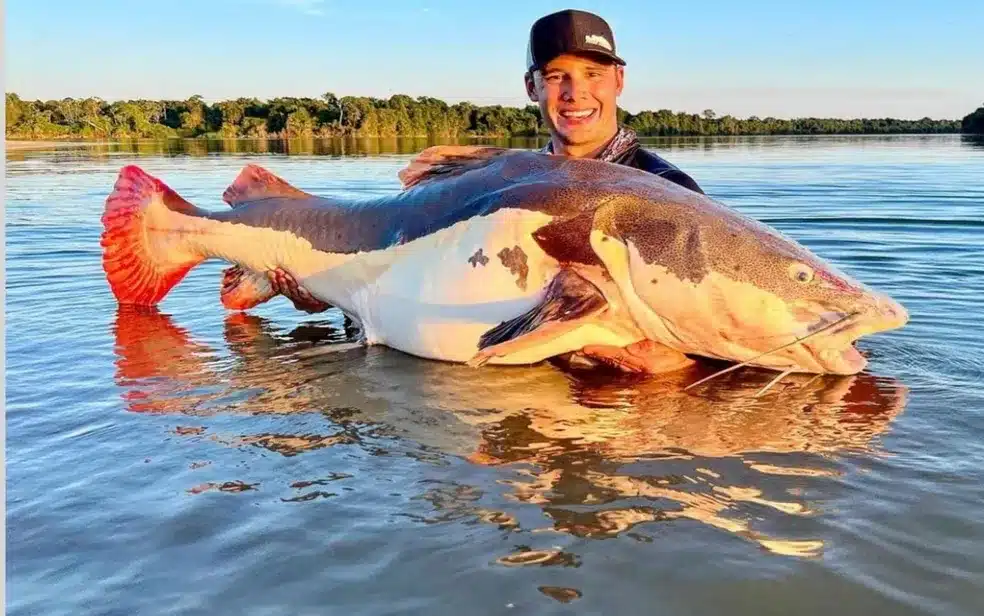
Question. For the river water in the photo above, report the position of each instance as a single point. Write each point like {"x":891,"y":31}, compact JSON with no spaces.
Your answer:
{"x":187,"y":460}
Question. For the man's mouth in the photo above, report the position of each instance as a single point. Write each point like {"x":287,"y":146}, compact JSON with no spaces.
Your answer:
{"x":579,"y":116}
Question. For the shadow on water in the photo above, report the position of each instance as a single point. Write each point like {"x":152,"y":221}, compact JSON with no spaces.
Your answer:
{"x":597,"y":454}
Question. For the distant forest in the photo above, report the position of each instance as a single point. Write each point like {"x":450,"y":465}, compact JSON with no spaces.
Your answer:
{"x":397,"y":116}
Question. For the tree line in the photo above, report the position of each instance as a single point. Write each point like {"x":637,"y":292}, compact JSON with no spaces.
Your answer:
{"x":973,"y":123}
{"x":397,"y":116}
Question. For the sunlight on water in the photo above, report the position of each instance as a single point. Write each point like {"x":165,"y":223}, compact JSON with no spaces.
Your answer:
{"x":188,"y":459}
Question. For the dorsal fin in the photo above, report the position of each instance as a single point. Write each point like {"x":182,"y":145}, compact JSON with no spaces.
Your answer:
{"x":441,"y":161}
{"x":255,"y":182}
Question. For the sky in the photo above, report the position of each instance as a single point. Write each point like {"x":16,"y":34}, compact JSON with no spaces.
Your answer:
{"x":859,"y":58}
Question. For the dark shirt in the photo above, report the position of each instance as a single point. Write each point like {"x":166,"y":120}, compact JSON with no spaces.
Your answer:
{"x":647,"y":161}
{"x":624,"y":149}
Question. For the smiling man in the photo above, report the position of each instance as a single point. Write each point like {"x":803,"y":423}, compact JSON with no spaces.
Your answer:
{"x":575,"y":76}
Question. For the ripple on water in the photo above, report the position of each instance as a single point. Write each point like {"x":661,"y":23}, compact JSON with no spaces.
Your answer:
{"x":189,"y":458}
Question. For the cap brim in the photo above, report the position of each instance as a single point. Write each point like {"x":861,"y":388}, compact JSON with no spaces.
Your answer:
{"x":592,"y":54}
{"x":607,"y":55}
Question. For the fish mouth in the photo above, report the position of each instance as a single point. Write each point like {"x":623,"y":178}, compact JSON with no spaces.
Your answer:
{"x":835,"y":350}
{"x":832,"y":359}
{"x":829,"y":345}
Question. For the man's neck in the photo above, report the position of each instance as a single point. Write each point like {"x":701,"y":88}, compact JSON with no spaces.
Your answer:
{"x":587,"y":150}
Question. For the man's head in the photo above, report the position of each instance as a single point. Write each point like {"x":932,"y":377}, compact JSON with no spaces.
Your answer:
{"x":575,"y":77}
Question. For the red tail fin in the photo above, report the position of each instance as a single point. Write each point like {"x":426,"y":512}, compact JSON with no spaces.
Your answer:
{"x":141,"y":271}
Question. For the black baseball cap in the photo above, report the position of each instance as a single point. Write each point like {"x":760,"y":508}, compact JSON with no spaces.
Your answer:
{"x":570,"y":31}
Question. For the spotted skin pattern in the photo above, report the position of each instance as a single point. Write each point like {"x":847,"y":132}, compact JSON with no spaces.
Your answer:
{"x":515,"y":260}
{"x":478,"y":258}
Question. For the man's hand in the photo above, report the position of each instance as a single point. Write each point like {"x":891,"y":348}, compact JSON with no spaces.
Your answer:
{"x":286,"y":285}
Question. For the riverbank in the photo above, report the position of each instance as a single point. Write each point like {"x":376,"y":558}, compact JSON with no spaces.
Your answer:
{"x":15,"y":145}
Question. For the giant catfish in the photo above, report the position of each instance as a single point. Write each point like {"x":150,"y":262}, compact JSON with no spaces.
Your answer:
{"x":492,"y":255}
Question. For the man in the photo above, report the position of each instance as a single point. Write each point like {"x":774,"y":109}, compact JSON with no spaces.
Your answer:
{"x":575,"y":76}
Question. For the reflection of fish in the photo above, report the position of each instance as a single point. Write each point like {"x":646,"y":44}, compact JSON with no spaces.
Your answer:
{"x":511,"y":257}
{"x":574,"y":435}
{"x":504,"y":416}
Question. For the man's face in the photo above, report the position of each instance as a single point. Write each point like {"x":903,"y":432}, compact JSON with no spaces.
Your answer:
{"x":577,"y":97}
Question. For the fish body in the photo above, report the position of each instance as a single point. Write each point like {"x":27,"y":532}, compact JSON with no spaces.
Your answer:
{"x":504,"y":256}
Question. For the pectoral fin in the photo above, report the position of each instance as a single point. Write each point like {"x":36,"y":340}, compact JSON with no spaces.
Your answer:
{"x":643,"y":357}
{"x":559,"y":323}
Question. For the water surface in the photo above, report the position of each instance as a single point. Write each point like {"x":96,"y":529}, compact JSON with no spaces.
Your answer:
{"x":189,"y":460}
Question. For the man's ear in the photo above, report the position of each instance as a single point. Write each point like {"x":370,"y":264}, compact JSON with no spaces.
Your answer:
{"x":619,"y":79}
{"x":530,"y":86}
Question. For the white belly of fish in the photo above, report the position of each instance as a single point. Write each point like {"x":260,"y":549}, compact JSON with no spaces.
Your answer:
{"x":437,"y":295}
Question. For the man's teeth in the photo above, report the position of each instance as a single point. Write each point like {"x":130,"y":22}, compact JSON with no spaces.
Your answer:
{"x":577,"y":114}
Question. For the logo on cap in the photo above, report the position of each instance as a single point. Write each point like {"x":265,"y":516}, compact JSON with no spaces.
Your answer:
{"x":597,"y":39}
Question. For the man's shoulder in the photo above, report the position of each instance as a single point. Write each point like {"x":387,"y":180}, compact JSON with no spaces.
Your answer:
{"x":654,"y":163}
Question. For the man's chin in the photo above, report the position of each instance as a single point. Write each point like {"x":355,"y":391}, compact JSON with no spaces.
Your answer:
{"x":581,"y":135}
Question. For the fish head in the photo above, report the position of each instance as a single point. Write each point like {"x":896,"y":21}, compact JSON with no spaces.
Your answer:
{"x":706,"y":280}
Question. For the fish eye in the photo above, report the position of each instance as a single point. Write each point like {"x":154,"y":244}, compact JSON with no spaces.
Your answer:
{"x":801,"y":272}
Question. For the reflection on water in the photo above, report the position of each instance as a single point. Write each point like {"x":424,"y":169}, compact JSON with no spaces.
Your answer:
{"x":306,"y":146}
{"x":598,"y":454}
{"x":973,"y":140}
{"x":376,"y":146}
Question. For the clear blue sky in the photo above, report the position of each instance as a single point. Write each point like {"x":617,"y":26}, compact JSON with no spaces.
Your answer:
{"x":870,"y":58}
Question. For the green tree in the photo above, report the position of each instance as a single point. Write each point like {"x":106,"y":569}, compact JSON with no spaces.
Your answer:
{"x":13,"y":110}
{"x":973,"y":123}
{"x":192,"y":117}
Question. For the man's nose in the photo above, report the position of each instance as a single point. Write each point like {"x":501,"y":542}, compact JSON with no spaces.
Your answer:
{"x":575,"y":88}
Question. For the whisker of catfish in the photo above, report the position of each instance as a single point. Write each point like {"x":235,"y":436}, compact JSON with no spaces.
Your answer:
{"x":778,"y":348}
{"x":780,"y":377}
